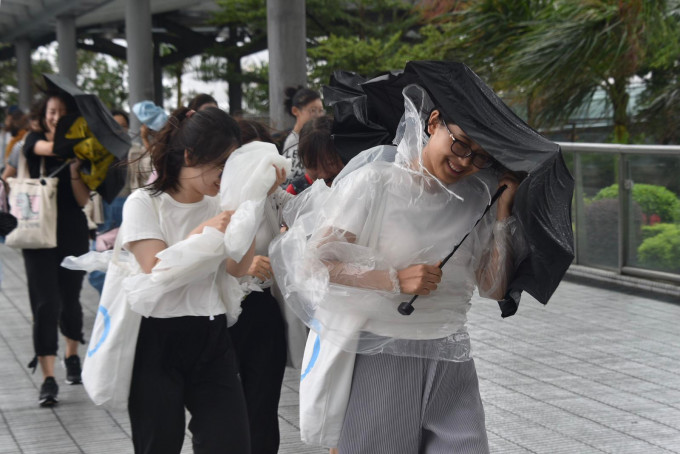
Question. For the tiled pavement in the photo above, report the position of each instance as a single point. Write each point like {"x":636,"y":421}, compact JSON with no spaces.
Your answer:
{"x":595,"y":371}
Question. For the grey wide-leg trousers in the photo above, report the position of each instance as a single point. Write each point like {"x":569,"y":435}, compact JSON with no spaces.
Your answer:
{"x":407,"y":405}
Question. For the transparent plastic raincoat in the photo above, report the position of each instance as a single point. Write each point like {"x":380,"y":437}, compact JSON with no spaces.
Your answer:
{"x":337,"y":265}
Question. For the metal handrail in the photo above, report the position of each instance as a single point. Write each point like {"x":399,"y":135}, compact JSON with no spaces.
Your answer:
{"x":623,"y":151}
{"x":615,"y":148}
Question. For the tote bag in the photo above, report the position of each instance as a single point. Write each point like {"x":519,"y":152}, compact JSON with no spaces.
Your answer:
{"x":107,"y":369}
{"x":8,"y":221}
{"x":33,"y":202}
{"x":327,"y":371}
{"x":325,"y":384}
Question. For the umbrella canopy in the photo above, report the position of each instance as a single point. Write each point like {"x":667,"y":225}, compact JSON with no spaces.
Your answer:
{"x":99,"y":171}
{"x":100,"y":121}
{"x":543,"y":200}
{"x":352,"y":131}
{"x":98,"y":140}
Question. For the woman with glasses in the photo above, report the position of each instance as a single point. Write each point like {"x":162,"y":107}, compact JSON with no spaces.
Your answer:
{"x":304,"y":104}
{"x":370,"y":242}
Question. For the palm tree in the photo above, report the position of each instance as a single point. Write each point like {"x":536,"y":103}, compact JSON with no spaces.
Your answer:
{"x":580,"y":46}
{"x":560,"y":51}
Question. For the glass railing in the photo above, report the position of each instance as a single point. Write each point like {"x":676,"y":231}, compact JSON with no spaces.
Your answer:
{"x":626,"y":208}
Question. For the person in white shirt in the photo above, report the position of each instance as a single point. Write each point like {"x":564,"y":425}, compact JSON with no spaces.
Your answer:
{"x":356,"y":250}
{"x":184,"y":357}
{"x":304,"y":104}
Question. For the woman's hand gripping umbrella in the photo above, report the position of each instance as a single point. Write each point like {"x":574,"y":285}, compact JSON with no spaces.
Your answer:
{"x":406,"y":308}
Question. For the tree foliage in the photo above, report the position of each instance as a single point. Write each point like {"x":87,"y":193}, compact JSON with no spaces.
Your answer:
{"x":103,"y":76}
{"x":661,"y":250}
{"x":9,"y":86}
{"x":558,"y":52}
{"x":653,"y":200}
{"x":366,"y":36}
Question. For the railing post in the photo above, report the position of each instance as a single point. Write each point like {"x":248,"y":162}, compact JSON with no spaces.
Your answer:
{"x":579,"y":211}
{"x":624,"y":209}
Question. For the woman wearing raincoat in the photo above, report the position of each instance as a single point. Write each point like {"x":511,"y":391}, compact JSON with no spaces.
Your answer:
{"x":357,"y":250}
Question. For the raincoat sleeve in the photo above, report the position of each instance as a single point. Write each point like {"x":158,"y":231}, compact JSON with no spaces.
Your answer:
{"x":345,"y":240}
{"x":498,"y":248}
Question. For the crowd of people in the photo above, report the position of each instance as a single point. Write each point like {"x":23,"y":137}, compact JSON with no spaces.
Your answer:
{"x":332,"y":252}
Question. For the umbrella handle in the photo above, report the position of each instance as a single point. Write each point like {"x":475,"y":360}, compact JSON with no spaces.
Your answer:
{"x":406,"y":308}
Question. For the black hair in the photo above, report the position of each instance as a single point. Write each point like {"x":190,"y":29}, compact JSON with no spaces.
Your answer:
{"x":123,"y":114}
{"x":316,"y":148}
{"x":34,"y":113}
{"x":68,"y":101}
{"x":209,"y":136}
{"x":200,"y":100}
{"x":252,"y":130}
{"x":299,"y":97}
{"x":18,"y":121}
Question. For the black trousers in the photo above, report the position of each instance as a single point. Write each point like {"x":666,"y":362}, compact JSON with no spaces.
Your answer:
{"x":54,"y":291}
{"x":260,"y":343}
{"x":187,"y":362}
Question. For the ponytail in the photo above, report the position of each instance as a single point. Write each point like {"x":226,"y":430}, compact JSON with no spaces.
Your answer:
{"x":207,"y":137}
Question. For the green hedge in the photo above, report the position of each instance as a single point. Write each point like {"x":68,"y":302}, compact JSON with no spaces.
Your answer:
{"x":652,"y":199}
{"x":649,"y":231}
{"x":661,"y":250}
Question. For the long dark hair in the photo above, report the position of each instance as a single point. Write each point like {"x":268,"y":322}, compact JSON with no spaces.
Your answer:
{"x":209,"y":136}
{"x":316,"y":148}
{"x":63,"y":97}
{"x":252,"y":130}
{"x":18,"y":121}
{"x":299,"y":97}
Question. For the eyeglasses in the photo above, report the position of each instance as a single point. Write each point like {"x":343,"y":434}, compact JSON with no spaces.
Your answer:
{"x":463,"y":150}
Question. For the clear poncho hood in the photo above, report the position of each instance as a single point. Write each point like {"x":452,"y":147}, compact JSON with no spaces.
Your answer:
{"x":368,"y":112}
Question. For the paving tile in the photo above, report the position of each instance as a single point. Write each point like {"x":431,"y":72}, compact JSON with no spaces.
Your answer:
{"x":594,"y":371}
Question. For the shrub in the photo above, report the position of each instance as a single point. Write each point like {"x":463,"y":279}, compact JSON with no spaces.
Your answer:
{"x":653,"y":200}
{"x":649,"y":231}
{"x":661,"y":251}
{"x":602,"y":231}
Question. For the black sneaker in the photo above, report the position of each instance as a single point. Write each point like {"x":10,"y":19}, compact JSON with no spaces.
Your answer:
{"x":48,"y":392}
{"x":72,"y":364}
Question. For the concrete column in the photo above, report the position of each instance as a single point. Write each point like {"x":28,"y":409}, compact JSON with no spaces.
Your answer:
{"x":66,"y":39}
{"x":139,"y":55}
{"x":286,"y":33}
{"x":157,"y":76}
{"x":22,"y":49}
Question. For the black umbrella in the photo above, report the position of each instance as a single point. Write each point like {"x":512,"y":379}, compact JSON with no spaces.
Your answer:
{"x":543,"y":199}
{"x":102,"y":126}
{"x":352,"y":131}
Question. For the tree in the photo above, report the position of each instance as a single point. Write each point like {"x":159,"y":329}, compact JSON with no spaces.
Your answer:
{"x":9,"y":86}
{"x":244,"y":32}
{"x":103,"y":76}
{"x":367,"y":36}
{"x":661,"y":101}
{"x":564,"y":50}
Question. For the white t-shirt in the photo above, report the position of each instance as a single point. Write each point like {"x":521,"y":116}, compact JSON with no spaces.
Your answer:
{"x":163,"y":218}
